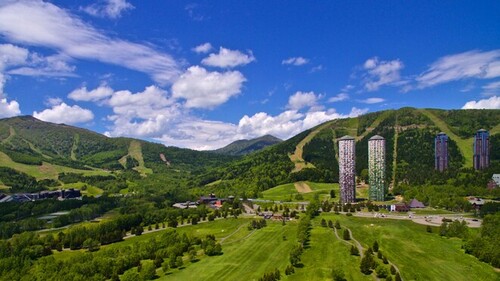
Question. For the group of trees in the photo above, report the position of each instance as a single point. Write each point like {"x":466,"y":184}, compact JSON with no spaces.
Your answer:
{"x":484,"y":245}
{"x":271,"y":276}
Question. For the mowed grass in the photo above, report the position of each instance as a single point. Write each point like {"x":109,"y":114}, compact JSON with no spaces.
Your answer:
{"x":89,"y":191}
{"x":324,"y":253}
{"x":248,"y":259}
{"x":45,"y":171}
{"x":288,"y":192}
{"x":418,"y":254}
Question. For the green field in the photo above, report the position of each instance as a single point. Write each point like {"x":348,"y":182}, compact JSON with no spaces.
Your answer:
{"x":418,"y":254}
{"x":249,"y":254}
{"x":247,"y":258}
{"x":287,"y":192}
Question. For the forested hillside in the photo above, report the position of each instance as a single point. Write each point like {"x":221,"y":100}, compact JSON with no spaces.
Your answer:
{"x":39,"y":150}
{"x":409,"y":134}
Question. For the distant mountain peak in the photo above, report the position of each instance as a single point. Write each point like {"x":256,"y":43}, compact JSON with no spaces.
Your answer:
{"x":242,"y":147}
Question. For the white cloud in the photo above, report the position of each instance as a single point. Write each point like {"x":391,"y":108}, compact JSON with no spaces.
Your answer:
{"x":297,"y":61}
{"x":63,"y":113}
{"x":301,"y":100}
{"x":228,"y":58}
{"x":100,"y":93}
{"x":203,"y":89}
{"x":9,"y":109}
{"x":316,"y":68}
{"x":491,"y":103}
{"x":203,"y":48}
{"x":471,"y":64}
{"x":53,"y":101}
{"x":380,"y":73}
{"x":372,"y":100}
{"x":491,"y":88}
{"x":51,"y":66}
{"x":43,"y":24}
{"x":108,"y":8}
{"x":339,"y":97}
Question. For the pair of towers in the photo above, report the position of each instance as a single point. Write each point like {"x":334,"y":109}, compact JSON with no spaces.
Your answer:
{"x":481,"y":150}
{"x":347,"y":168}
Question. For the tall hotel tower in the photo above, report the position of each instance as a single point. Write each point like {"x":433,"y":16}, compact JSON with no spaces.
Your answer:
{"x":481,"y":149}
{"x":441,"y":152}
{"x":376,"y":167}
{"x":347,"y":166}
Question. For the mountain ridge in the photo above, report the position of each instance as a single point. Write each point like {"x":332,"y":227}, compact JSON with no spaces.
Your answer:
{"x":245,"y":146}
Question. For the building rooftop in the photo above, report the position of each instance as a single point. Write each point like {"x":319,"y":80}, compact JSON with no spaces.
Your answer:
{"x":346,"y":137}
{"x":441,"y":133}
{"x":482,"y":130}
{"x":376,"y":137}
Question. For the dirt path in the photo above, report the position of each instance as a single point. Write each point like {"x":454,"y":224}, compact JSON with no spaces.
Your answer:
{"x":248,"y":209}
{"x":302,"y":187}
{"x":296,"y":157}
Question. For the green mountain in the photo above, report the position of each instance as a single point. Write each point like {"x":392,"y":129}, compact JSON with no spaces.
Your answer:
{"x":409,"y":134}
{"x":243,"y":147}
{"x":45,"y":150}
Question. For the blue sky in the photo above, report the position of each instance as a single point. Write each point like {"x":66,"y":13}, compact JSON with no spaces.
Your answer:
{"x":205,"y":73}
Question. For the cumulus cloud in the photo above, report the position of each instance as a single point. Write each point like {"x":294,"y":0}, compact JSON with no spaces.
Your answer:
{"x":9,"y":109}
{"x":471,"y":64}
{"x":108,"y":8}
{"x":491,"y":103}
{"x":301,"y":100}
{"x":372,"y":100}
{"x":63,"y":113}
{"x":99,"y":93}
{"x":203,"y":89}
{"x":203,"y":48}
{"x":339,"y":97}
{"x":37,"y":23}
{"x":380,"y":73}
{"x":297,"y":61}
{"x":228,"y":58}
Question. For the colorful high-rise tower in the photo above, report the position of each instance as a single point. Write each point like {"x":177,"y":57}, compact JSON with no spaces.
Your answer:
{"x":441,"y":152}
{"x":376,"y":168}
{"x":347,"y":169}
{"x":481,"y":149}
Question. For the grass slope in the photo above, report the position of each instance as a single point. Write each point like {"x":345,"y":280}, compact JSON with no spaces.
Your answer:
{"x":285,"y":192}
{"x":418,"y":254}
{"x":465,"y":145}
{"x":45,"y":171}
{"x":249,"y":259}
{"x":135,"y":151}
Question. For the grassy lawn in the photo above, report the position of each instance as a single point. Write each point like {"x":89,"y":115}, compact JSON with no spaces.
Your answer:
{"x":325,"y":253}
{"x":248,"y":259}
{"x":418,"y":254}
{"x":90,"y":191}
{"x":287,"y":192}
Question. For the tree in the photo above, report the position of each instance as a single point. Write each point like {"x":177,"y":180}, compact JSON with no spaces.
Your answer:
{"x":375,"y":246}
{"x":158,"y":261}
{"x":130,"y":275}
{"x":429,"y":229}
{"x":366,"y":264}
{"x":337,"y":224}
{"x":179,"y":262}
{"x":338,"y":275}
{"x":323,"y":222}
{"x":330,"y":224}
{"x":347,"y":235}
{"x":382,"y":272}
{"x":388,"y":278}
{"x":91,"y":244}
{"x":397,"y":277}
{"x":165,"y":266}
{"x":148,"y":271}
{"x":393,"y":270}
{"x":354,"y":251}
{"x":332,"y":193}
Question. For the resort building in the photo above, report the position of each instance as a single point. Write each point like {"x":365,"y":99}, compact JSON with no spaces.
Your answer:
{"x":441,"y":152}
{"x":481,"y":150}
{"x":347,"y":169}
{"x":376,"y":168}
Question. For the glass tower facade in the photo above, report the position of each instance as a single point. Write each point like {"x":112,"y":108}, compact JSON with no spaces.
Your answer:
{"x":441,"y":152}
{"x":481,"y":150}
{"x":376,"y":168}
{"x":347,"y":169}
